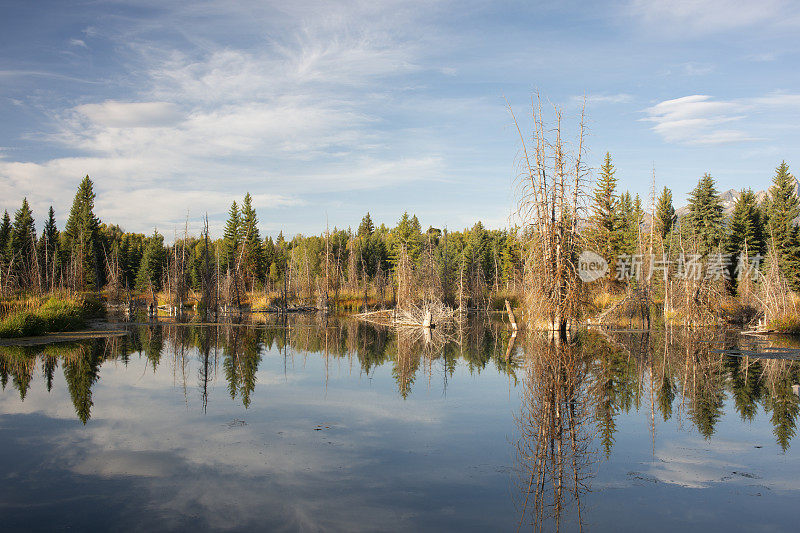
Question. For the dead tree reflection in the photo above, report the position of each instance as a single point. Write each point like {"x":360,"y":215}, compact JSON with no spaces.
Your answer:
{"x":555,"y":450}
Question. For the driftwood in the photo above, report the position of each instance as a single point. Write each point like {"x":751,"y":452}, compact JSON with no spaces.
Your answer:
{"x":427,"y":316}
{"x":511,"y":316}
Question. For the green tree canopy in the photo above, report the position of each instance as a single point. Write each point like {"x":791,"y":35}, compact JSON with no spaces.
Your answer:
{"x":665,"y":213}
{"x":81,"y":234}
{"x":233,"y":236}
{"x":23,"y":238}
{"x":151,"y":267}
{"x":366,"y":228}
{"x":705,"y":215}
{"x":252,"y":258}
{"x":605,"y":221}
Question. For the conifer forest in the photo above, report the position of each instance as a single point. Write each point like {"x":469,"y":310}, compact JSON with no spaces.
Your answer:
{"x":389,"y":266}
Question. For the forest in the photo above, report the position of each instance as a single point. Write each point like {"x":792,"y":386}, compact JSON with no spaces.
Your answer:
{"x":747,"y":259}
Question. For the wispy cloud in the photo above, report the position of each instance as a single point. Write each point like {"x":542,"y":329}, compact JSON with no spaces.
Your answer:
{"x":130,"y":114}
{"x":293,"y":117}
{"x":619,"y":98}
{"x":764,"y":57}
{"x":700,"y":119}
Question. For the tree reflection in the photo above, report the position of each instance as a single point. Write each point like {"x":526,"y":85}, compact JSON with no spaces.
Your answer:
{"x":693,"y":372}
{"x":669,"y":373}
{"x":554,"y":452}
{"x":81,"y":372}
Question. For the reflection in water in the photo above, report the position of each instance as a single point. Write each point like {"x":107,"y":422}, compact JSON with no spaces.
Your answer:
{"x":690,"y":373}
{"x":555,"y":450}
{"x":572,"y":400}
{"x":234,"y":351}
{"x":670,"y":373}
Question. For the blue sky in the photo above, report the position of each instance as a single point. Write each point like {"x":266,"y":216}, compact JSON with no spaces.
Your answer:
{"x":330,"y":109}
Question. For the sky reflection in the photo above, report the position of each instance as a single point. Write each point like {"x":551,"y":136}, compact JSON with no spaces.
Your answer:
{"x":282,"y":436}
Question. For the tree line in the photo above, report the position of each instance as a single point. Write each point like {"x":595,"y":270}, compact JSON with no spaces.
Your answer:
{"x":362,"y":265}
{"x":379,"y":265}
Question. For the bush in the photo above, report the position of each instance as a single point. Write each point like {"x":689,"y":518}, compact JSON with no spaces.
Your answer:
{"x":787,"y":323}
{"x":54,"y":314}
{"x":21,"y":324}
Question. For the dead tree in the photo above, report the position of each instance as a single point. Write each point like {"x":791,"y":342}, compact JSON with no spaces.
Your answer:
{"x":551,"y":199}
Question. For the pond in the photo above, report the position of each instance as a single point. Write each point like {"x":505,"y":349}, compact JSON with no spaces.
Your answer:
{"x":317,"y":424}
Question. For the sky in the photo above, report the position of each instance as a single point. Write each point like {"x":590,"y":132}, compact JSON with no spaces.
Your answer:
{"x":323,"y":111}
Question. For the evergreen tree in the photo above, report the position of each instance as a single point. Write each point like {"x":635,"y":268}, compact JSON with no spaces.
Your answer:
{"x":81,"y":237}
{"x":131,"y":251}
{"x":782,"y":208}
{"x":49,"y":245}
{"x":268,"y":253}
{"x":253,"y":259}
{"x":665,"y":214}
{"x":705,"y":215}
{"x":233,"y":236}
{"x":366,"y":228}
{"x":152,"y":264}
{"x":5,"y":237}
{"x":782,"y":205}
{"x":511,"y":259}
{"x":745,"y":229}
{"x":605,"y":215}
{"x":408,"y":234}
{"x":23,"y":241}
{"x":631,"y":216}
{"x":280,"y":260}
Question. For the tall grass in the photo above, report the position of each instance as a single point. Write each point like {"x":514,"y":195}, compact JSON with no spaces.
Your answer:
{"x":37,"y":316}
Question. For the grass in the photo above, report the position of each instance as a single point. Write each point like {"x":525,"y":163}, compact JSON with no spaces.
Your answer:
{"x":788,"y":323}
{"x":47,"y":315}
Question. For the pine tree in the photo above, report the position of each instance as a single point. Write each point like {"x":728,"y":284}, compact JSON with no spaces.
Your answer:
{"x":665,"y":214}
{"x":5,"y":237}
{"x":252,"y":258}
{"x":366,"y":228}
{"x":151,"y":267}
{"x":631,"y":216}
{"x":49,"y":246}
{"x":81,"y":237}
{"x":268,"y":253}
{"x":782,"y":208}
{"x":232,"y":237}
{"x":605,"y":216}
{"x":281,"y":259}
{"x":705,"y":215}
{"x":22,"y":243}
{"x":407,"y":234}
{"x":511,"y":259}
{"x":745,"y":230}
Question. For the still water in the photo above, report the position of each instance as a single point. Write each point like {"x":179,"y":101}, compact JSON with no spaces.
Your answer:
{"x":339,"y":425}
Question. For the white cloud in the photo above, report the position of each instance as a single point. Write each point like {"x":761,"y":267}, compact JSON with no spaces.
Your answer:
{"x":295,"y":116}
{"x":619,"y":98}
{"x":700,"y":119}
{"x":130,"y":114}
{"x":78,"y":42}
{"x":762,"y":57}
{"x":697,"y":69}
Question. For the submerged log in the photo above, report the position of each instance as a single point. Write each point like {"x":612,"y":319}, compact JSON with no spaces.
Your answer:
{"x":511,"y":315}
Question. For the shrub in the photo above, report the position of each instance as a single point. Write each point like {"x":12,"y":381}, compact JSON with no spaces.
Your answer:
{"x":786,"y":323}
{"x":58,"y":313}
{"x":21,"y":324}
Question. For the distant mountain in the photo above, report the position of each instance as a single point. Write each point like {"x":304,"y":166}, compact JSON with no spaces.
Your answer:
{"x":730,"y":197}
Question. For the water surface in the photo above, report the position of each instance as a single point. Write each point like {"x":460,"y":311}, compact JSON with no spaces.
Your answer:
{"x":336,"y":425}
